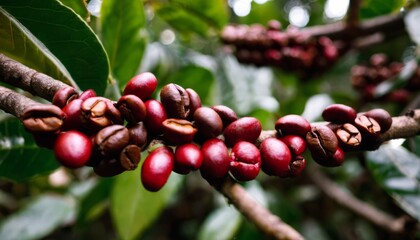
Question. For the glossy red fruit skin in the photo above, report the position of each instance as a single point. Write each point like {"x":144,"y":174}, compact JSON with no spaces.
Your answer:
{"x":155,"y":115}
{"x":245,"y":161}
{"x":72,"y":149}
{"x":295,"y":143}
{"x":141,"y":85}
{"x":157,"y":168}
{"x":244,"y":129}
{"x":292,"y":125}
{"x":73,"y":111}
{"x":275,"y":157}
{"x":339,"y":113}
{"x":188,"y":157}
{"x":87,"y":94}
{"x":216,"y":160}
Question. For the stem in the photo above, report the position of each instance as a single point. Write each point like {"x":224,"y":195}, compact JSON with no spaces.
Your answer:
{"x":268,"y":223}
{"x":346,"y":199}
{"x":388,"y":24}
{"x":23,"y":77}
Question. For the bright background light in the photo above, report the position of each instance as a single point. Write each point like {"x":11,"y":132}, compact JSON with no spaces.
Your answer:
{"x":336,"y":9}
{"x":298,"y":16}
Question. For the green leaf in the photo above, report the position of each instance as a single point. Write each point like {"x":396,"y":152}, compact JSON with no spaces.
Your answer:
{"x":221,"y":224}
{"x":79,"y":6}
{"x":41,"y":217}
{"x":123,"y":35}
{"x":18,"y":43}
{"x":20,"y":157}
{"x":398,"y":172}
{"x":58,"y":30}
{"x":92,"y":204}
{"x":133,"y":208}
{"x":195,"y":77}
{"x":189,"y":16}
{"x":373,"y":8}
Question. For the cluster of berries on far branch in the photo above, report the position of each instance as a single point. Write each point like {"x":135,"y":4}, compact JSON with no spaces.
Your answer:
{"x":365,"y":78}
{"x":180,"y":135}
{"x":290,"y":50}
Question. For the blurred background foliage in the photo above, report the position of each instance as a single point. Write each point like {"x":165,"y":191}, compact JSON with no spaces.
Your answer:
{"x":102,"y":44}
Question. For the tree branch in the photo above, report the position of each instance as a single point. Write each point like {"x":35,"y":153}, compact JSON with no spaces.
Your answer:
{"x":388,"y":25}
{"x":23,"y":77}
{"x":346,"y":199}
{"x":353,"y":16}
{"x":268,"y":223}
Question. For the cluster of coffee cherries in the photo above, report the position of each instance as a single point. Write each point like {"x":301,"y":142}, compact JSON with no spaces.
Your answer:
{"x":346,"y":130}
{"x":181,"y":135}
{"x":290,"y":50}
{"x":366,"y":77}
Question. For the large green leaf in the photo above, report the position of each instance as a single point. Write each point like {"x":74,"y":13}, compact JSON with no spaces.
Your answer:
{"x":79,"y":6}
{"x":20,"y":158}
{"x":124,"y":36}
{"x":190,"y":16}
{"x":133,"y":208}
{"x":57,"y":29}
{"x":221,"y":224}
{"x":398,"y":172}
{"x":41,"y":217}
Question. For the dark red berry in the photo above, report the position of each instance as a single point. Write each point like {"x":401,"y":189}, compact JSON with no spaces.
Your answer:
{"x":339,"y":113}
{"x":216,"y":160}
{"x":72,"y":149}
{"x":155,"y":115}
{"x":244,"y":129}
{"x":275,"y":157}
{"x":188,"y":157}
{"x":157,"y":168}
{"x":142,"y":85}
{"x":296,"y":144}
{"x":292,"y":125}
{"x":245,"y":161}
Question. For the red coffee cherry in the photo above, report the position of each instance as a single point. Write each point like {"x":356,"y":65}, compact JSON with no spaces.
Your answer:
{"x":72,"y":149}
{"x":155,"y":115}
{"x":142,"y":85}
{"x":73,"y":111}
{"x":157,"y":168}
{"x":208,"y":122}
{"x":275,"y":157}
{"x":87,"y":94}
{"x":64,"y":96}
{"x":296,"y":144}
{"x":216,"y":160}
{"x":244,"y":129}
{"x":292,"y":125}
{"x":245,"y":161}
{"x":339,"y":113}
{"x":188,"y":157}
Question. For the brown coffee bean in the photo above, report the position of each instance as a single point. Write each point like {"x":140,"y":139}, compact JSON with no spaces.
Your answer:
{"x":175,"y":100}
{"x":130,"y":157}
{"x":111,"y":140}
{"x":349,"y":135}
{"x":178,"y":131}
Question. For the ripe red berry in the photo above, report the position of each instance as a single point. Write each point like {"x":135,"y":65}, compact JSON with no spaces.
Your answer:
{"x":157,"y":168}
{"x":72,"y":149}
{"x":275,"y":157}
{"x":245,"y":161}
{"x":215,"y":160}
{"x":188,"y":157}
{"x":142,"y":85}
{"x":244,"y":129}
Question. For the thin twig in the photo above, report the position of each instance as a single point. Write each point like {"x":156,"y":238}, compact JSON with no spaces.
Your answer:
{"x":25,"y":78}
{"x":346,"y":199}
{"x":268,"y":223}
